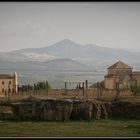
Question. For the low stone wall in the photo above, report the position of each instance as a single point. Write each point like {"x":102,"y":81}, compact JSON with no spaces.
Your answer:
{"x":67,"y":109}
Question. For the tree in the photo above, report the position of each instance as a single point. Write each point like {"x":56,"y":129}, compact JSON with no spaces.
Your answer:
{"x":42,"y":85}
{"x":37,"y":86}
{"x":135,"y":88}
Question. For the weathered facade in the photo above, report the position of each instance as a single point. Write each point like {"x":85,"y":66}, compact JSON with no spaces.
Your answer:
{"x":8,"y":84}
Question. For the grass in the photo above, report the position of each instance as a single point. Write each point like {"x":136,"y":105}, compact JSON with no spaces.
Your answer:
{"x":94,"y":128}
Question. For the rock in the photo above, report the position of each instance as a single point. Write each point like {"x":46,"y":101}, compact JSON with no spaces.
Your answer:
{"x":99,"y":110}
{"x":65,"y":109}
{"x":82,"y":110}
{"x":57,"y":110}
{"x":125,"y":109}
{"x":108,"y":110}
{"x":25,"y":110}
{"x":43,"y":109}
{"x":96,"y":111}
{"x":6,"y":113}
{"x":104,"y":113}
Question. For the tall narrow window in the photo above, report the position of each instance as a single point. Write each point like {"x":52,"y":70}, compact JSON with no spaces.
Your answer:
{"x":3,"y":90}
{"x":3,"y":82}
{"x":9,"y":82}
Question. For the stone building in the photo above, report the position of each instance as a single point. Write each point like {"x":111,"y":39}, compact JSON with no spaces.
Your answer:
{"x":8,"y":84}
{"x":136,"y":76}
{"x":122,"y":73}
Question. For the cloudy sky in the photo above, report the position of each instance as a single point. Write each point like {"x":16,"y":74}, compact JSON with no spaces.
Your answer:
{"x":39,"y":24}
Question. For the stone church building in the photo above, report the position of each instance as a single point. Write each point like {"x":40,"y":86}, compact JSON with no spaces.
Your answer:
{"x":122,"y":73}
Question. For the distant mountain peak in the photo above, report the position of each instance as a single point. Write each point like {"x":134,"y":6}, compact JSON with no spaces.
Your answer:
{"x":67,"y":41}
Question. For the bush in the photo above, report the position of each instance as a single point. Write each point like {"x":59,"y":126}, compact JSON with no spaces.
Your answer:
{"x":42,"y":85}
{"x":135,"y":88}
{"x":38,"y":86}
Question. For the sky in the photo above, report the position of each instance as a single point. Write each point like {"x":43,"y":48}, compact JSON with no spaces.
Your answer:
{"x":40,"y":24}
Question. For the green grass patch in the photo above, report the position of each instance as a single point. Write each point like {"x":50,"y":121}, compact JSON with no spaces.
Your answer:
{"x":94,"y":128}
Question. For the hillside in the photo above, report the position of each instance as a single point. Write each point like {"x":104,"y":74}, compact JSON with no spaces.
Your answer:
{"x":92,"y":55}
{"x":54,"y":65}
{"x":65,"y":64}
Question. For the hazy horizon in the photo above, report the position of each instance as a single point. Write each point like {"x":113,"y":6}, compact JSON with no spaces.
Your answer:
{"x":40,"y":24}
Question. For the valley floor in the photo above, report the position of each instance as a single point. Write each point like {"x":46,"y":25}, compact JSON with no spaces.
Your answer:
{"x":94,"y":128}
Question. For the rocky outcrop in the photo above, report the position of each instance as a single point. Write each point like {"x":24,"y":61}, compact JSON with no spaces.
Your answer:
{"x":82,"y":110}
{"x":124,"y":109}
{"x":24,"y":111}
{"x":49,"y":109}
{"x":88,"y":109}
{"x":104,"y":113}
{"x":54,"y":110}
{"x":67,"y":109}
{"x":99,"y":110}
{"x":6,"y":113}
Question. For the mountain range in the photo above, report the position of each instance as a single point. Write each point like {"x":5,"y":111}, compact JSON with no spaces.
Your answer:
{"x":90,"y":55}
{"x":65,"y":55}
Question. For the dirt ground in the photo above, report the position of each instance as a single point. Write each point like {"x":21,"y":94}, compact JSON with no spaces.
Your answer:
{"x":91,"y":93}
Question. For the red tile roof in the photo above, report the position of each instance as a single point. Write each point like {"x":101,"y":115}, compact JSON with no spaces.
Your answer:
{"x":119,"y":65}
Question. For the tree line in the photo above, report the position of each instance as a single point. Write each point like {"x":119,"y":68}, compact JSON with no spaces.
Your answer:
{"x":37,"y":86}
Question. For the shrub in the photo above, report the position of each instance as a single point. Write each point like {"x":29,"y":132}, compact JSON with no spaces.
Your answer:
{"x":135,"y":88}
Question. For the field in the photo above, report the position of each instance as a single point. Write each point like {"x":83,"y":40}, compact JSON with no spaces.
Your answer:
{"x":72,"y":93}
{"x":94,"y":128}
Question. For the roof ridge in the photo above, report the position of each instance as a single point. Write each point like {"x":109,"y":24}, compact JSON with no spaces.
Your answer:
{"x":119,"y":64}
